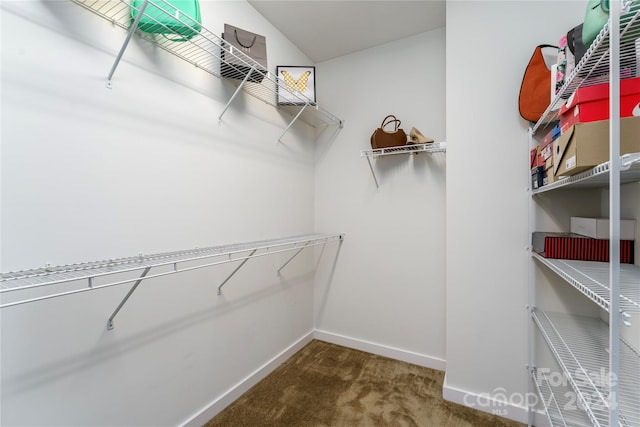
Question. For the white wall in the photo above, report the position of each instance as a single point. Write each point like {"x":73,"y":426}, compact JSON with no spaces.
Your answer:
{"x":90,"y":173}
{"x":386,"y":293}
{"x":488,"y":47}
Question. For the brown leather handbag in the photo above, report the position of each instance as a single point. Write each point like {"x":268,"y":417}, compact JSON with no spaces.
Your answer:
{"x":535,"y":92}
{"x":382,"y":138}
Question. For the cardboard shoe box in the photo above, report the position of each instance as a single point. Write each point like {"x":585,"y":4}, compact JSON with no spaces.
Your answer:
{"x":586,"y":145}
{"x":598,"y":228}
{"x":546,"y":144}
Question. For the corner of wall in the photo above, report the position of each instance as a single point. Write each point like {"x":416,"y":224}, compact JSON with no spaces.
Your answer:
{"x":485,"y":402}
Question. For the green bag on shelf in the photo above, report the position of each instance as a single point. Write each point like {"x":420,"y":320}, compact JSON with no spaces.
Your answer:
{"x":597,"y":16}
{"x":177,"y":20}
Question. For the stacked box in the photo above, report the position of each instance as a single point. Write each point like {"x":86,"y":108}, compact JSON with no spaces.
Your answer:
{"x":541,"y":161}
{"x":577,"y":247}
{"x":598,"y":228}
{"x":537,"y":177}
{"x":591,"y":103}
{"x":586,"y":145}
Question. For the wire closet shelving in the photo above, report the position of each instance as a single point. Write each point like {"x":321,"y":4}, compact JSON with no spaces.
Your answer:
{"x":598,"y":177}
{"x":580,"y":345}
{"x":209,"y":52}
{"x":593,"y":68}
{"x":28,"y":286}
{"x":584,"y":346}
{"x":555,"y":398}
{"x":435,"y":147}
{"x":591,"y":278}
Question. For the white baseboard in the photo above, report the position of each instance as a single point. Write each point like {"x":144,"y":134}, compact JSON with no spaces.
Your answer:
{"x":382,"y":350}
{"x":215,"y":407}
{"x":485,"y":403}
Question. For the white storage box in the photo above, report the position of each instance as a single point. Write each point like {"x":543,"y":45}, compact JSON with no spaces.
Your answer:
{"x":598,"y":228}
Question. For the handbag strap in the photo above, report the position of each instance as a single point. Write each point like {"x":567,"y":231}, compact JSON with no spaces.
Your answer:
{"x":235,"y":32}
{"x":176,"y":39}
{"x":395,"y":121}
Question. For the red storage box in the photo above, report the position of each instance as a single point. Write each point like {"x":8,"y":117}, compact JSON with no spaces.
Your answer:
{"x":579,"y":247}
{"x":590,"y":104}
{"x":535,"y":158}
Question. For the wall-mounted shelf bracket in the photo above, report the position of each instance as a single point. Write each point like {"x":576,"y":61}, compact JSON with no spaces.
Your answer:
{"x":238,"y":89}
{"x":124,"y":300}
{"x":244,"y":261}
{"x":130,"y":33}
{"x":292,"y":257}
{"x":373,"y":172}
{"x":291,"y":123}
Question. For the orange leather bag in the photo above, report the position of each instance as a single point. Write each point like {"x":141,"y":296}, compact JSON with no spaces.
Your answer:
{"x":535,"y":92}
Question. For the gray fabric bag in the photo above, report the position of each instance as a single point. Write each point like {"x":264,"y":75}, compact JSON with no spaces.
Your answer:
{"x":234,"y":65}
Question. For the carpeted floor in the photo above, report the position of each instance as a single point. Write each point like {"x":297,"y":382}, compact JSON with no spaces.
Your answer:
{"x":326,"y":385}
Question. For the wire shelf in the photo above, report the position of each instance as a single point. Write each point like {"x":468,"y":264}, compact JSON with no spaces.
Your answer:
{"x":209,"y":52}
{"x":436,"y":147}
{"x":581,"y":347}
{"x":592,"y":279}
{"x":579,"y":344}
{"x":598,"y":177}
{"x":69,"y":279}
{"x":593,"y":68}
{"x":560,"y":406}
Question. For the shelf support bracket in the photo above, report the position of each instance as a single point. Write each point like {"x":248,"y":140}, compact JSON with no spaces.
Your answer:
{"x":292,"y":122}
{"x":372,"y":172}
{"x":132,"y":30}
{"x":294,"y":255}
{"x":235,"y":271}
{"x":124,"y":300}
{"x":238,"y":89}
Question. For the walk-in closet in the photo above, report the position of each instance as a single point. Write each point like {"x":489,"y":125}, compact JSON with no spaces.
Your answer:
{"x":204,"y":204}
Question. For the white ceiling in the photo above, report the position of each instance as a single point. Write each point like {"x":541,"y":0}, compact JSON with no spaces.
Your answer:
{"x":325,"y":29}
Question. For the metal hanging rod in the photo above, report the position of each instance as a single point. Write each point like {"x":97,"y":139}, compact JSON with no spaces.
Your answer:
{"x":53,"y":282}
{"x":208,"y":52}
{"x":436,"y":147}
